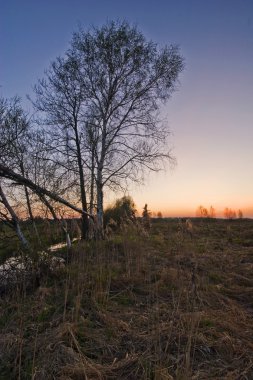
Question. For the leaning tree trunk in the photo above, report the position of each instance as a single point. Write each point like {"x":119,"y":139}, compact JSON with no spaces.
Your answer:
{"x":14,"y":219}
{"x":6,"y":172}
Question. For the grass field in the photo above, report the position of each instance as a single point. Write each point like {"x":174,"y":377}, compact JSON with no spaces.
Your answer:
{"x":163,"y":305}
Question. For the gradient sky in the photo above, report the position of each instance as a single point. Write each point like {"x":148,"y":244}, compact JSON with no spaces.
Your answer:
{"x":211,"y":114}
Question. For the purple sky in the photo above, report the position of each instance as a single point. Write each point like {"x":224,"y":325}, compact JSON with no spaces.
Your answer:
{"x":211,"y":115}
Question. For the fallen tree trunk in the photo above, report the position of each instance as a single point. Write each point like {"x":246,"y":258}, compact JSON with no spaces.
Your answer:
{"x":8,"y":173}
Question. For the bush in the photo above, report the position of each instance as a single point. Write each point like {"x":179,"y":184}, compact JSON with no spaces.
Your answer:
{"x":123,"y":209}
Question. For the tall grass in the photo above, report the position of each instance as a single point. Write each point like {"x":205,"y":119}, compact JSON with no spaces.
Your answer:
{"x":156,"y":305}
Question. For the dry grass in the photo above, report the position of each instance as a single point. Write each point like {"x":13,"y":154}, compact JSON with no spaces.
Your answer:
{"x":164,"y":306}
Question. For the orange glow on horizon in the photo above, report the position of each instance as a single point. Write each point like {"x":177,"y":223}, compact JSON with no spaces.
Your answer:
{"x":192,"y":212}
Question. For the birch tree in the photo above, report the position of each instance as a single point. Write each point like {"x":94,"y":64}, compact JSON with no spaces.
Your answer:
{"x":101,"y":104}
{"x":126,"y":79}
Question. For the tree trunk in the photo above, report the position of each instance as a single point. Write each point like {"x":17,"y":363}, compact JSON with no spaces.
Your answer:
{"x":92,"y":181}
{"x":100,"y":201}
{"x":85,"y":224}
{"x":49,"y":206}
{"x":10,"y":174}
{"x":20,"y":233}
{"x":14,"y":219}
{"x":31,"y":214}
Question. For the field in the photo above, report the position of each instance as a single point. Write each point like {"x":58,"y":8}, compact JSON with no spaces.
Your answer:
{"x":160,"y":305}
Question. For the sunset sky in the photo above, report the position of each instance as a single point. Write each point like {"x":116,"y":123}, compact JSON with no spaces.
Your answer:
{"x":211,"y":114}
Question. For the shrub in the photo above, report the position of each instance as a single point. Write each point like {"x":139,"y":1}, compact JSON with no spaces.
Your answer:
{"x":123,"y":209}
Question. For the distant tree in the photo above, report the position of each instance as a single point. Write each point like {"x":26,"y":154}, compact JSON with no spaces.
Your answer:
{"x":202,"y":212}
{"x":240,"y":214}
{"x":212,"y":212}
{"x":159,"y":214}
{"x":146,"y":216}
{"x":229,"y":213}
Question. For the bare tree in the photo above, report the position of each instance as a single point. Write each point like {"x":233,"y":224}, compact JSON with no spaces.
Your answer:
{"x":240,"y":214}
{"x":13,"y":126}
{"x":27,"y":170}
{"x":146,"y":216}
{"x":212,"y":212}
{"x":15,"y":138}
{"x":202,"y":212}
{"x":126,"y":79}
{"x":21,"y":153}
{"x":101,"y":103}
{"x":229,"y":213}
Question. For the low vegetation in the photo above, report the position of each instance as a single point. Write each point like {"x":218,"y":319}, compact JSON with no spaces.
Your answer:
{"x":157,"y":304}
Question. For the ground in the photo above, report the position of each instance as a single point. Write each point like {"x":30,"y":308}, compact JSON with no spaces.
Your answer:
{"x":168,"y":303}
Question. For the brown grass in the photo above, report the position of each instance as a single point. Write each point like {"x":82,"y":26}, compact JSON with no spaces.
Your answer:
{"x":162,"y":306}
